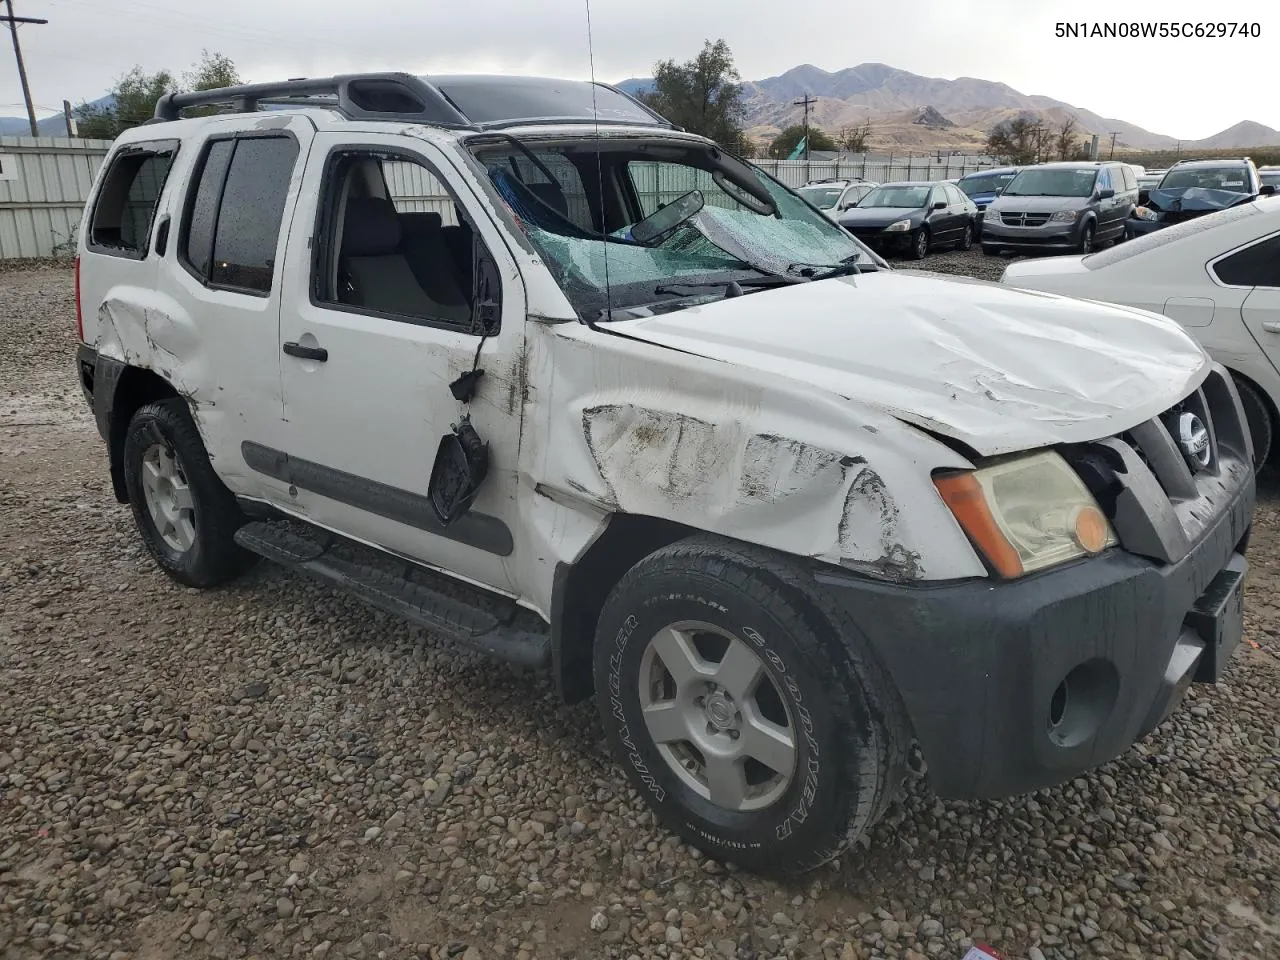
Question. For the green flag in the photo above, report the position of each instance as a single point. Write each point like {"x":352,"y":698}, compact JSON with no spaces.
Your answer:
{"x":799,"y":150}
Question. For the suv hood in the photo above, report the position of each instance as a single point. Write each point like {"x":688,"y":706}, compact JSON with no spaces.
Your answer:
{"x":1195,"y":198}
{"x":1038,"y":204}
{"x":999,"y":369}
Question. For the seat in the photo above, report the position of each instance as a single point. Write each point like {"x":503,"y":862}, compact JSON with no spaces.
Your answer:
{"x":376,"y":273}
{"x":438,"y":263}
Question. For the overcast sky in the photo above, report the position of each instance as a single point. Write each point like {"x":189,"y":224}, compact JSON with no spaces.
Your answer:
{"x":1186,"y":88}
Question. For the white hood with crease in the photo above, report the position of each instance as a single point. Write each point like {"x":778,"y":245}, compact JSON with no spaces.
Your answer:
{"x":999,"y":369}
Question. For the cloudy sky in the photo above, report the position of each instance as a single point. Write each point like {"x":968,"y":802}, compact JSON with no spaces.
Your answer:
{"x":1185,"y":88}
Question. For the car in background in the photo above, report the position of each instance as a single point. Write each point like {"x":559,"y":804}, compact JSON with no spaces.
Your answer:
{"x":1148,"y":180}
{"x":912,"y":217}
{"x":1217,"y":275}
{"x":984,"y":186}
{"x":836,"y":195}
{"x":1063,"y":207}
{"x":1270,"y":177}
{"x":1192,"y":188}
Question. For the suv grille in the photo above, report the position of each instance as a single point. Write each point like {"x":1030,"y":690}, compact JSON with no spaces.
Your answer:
{"x":1159,"y":496}
{"x":1024,"y":219}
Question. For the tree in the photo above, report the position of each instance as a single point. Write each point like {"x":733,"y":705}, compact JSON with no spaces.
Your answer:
{"x":703,"y":95}
{"x":1042,"y":141}
{"x":132,"y":101}
{"x":786,"y":141}
{"x":1016,"y":140}
{"x":854,"y":139}
{"x":1066,"y":138}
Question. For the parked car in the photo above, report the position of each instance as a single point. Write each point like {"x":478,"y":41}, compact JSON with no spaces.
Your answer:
{"x":1148,"y":181}
{"x":912,"y":217}
{"x":835,"y":196}
{"x":984,"y":186}
{"x":1192,"y":188}
{"x":1218,"y":276}
{"x":783,"y":511}
{"x":1270,"y":177}
{"x":1061,"y":207}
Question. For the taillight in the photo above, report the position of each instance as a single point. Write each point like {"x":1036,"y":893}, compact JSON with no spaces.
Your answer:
{"x":79,"y":313}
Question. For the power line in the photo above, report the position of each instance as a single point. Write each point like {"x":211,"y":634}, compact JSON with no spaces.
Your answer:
{"x":13,"y":20}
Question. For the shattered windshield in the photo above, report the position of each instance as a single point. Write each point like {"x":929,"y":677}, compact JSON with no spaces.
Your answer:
{"x":1233,"y":179}
{"x":750,"y":230}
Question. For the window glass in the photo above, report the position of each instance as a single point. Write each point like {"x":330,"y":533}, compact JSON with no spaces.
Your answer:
{"x":1234,"y":179}
{"x":126,"y":205}
{"x":249,"y":218}
{"x":198,"y":249}
{"x":657,"y":184}
{"x":1104,"y":179}
{"x":399,"y":245}
{"x":1053,"y":182}
{"x":1255,"y":266}
{"x":1130,"y":179}
{"x":896,"y":196}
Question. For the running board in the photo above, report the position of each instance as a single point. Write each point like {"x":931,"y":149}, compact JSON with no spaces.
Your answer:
{"x":362,"y":571}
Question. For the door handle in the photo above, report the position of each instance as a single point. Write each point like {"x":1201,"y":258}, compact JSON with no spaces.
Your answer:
{"x":1271,"y":326}
{"x":295,"y":349}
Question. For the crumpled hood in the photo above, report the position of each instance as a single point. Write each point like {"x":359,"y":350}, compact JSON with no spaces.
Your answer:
{"x":876,"y":216}
{"x":1195,"y":198}
{"x":999,"y":369}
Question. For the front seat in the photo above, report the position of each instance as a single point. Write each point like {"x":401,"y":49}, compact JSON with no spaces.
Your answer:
{"x":375,"y":273}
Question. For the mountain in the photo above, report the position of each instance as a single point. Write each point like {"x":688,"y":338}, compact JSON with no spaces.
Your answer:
{"x":53,"y":126}
{"x":907,"y":111}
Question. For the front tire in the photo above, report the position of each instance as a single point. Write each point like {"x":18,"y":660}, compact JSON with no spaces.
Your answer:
{"x":754,"y":721}
{"x":1085,"y":245}
{"x":920,"y":244}
{"x":186,"y":517}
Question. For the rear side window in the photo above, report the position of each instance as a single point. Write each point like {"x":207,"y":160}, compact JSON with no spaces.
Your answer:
{"x":1254,"y":266}
{"x":235,"y":211}
{"x":125,"y":208}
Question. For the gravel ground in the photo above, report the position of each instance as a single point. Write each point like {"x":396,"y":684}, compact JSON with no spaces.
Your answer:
{"x":272,"y":770}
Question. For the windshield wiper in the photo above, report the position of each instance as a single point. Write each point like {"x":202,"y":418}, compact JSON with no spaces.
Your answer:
{"x":732,"y":288}
{"x":849,"y":265}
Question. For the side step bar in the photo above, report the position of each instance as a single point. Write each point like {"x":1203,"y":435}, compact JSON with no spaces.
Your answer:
{"x":460,"y":621}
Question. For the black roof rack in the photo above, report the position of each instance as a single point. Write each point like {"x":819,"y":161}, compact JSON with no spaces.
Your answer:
{"x":453,"y":102}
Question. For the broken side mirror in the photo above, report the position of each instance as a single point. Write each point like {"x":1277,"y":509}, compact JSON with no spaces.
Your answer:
{"x":462,"y":462}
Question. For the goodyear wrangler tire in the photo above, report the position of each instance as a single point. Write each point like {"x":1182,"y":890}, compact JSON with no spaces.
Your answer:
{"x":752,"y":718}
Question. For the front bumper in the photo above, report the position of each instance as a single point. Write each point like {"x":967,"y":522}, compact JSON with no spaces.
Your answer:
{"x":882,"y":240}
{"x":1050,"y":236}
{"x":1014,"y":686}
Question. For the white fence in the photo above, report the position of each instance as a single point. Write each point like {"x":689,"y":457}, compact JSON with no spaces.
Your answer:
{"x":44,"y":182}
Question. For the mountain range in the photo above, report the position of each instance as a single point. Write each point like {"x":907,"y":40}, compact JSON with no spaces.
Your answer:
{"x":907,"y":111}
{"x":53,"y":126}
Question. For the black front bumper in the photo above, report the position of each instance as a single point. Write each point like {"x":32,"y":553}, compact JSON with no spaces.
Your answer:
{"x":1014,"y":686}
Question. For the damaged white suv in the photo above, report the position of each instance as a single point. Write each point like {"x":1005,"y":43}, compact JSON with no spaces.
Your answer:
{"x":519,"y":361}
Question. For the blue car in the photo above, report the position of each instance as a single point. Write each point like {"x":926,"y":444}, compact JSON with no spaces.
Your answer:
{"x":983,"y":187}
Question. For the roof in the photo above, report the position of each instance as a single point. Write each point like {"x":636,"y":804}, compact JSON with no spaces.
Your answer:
{"x":1214,"y":162}
{"x":465,"y":102}
{"x":989,"y":171}
{"x":910,"y":183}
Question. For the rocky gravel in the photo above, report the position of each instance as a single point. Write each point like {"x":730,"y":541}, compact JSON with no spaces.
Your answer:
{"x":272,"y":770}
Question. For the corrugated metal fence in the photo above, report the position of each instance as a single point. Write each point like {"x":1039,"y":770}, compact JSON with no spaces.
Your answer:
{"x":44,"y":182}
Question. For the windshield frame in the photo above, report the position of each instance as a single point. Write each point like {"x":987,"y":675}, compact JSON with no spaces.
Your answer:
{"x":1032,"y":173}
{"x":592,"y":302}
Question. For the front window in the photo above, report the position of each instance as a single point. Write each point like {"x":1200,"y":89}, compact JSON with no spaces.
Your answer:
{"x":1232,"y":179}
{"x":896,"y":196}
{"x":824,"y":198}
{"x":621,"y":230}
{"x":1046,"y":182}
{"x":986,"y":183}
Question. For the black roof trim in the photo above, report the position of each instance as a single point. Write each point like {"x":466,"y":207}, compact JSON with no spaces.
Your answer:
{"x":399,"y":97}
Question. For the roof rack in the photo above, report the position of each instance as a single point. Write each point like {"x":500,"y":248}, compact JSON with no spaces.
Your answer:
{"x":405,"y":98}
{"x":1213,"y":160}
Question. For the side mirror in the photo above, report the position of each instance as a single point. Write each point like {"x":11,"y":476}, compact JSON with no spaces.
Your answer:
{"x":462,"y":461}
{"x":1106,"y":193}
{"x":999,"y":190}
{"x":1266,"y":190}
{"x":940,"y":205}
{"x":1143,"y":197}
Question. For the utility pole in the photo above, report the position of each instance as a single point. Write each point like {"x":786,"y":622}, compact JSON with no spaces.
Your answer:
{"x":1178,"y":152}
{"x":806,"y":101}
{"x":13,"y":22}
{"x":1112,"y":154}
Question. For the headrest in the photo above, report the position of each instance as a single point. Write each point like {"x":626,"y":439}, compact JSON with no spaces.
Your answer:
{"x":421,"y":224}
{"x":372,"y":228}
{"x":551,"y":195}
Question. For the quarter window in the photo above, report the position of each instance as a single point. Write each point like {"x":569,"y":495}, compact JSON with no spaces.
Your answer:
{"x":125,"y":209}
{"x":235,"y":212}
{"x":1254,"y":266}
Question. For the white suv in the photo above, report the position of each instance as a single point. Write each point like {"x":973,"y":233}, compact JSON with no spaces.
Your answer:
{"x":464,"y":346}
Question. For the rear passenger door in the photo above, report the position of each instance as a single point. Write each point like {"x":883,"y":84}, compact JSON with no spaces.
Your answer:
{"x":397,"y":284}
{"x":221,"y":288}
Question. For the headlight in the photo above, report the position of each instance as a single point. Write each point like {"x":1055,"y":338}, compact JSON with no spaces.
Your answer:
{"x":1027,"y":513}
{"x":898,"y":226}
{"x":1145,"y":213}
{"x":1066,"y":216}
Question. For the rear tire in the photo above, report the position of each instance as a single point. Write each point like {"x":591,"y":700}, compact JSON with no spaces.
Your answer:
{"x":186,"y":517}
{"x":1258,"y":417}
{"x":966,"y":238}
{"x":689,"y":744}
